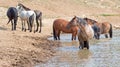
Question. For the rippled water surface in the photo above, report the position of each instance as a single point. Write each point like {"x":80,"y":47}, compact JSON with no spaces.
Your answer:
{"x":102,"y":53}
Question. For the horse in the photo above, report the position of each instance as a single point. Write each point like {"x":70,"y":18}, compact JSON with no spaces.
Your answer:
{"x":12,"y":14}
{"x":85,"y":31}
{"x":90,"y":21}
{"x":103,"y":28}
{"x":94,"y":27}
{"x":38,"y":17}
{"x":24,"y":15}
{"x":60,"y":25}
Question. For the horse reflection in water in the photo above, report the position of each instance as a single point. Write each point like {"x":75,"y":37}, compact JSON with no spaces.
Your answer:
{"x":85,"y":31}
{"x":100,"y":28}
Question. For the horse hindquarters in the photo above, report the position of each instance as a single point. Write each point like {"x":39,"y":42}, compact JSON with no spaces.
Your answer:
{"x":12,"y":15}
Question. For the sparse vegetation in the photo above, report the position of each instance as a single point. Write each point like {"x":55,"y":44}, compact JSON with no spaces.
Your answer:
{"x":109,"y":14}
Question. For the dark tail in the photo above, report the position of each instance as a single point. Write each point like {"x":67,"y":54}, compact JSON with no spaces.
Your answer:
{"x":110,"y":31}
{"x":8,"y":21}
{"x":54,"y":34}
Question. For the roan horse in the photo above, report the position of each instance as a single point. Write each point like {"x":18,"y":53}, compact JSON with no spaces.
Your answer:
{"x":60,"y":25}
{"x":25,"y":16}
{"x":38,"y":17}
{"x":85,"y":31}
{"x":103,"y":28}
{"x":12,"y":14}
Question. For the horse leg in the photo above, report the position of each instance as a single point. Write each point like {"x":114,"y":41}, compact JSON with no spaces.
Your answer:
{"x":106,"y":36}
{"x":72,"y":36}
{"x":110,"y":31}
{"x":86,"y":44}
{"x":58,"y":35}
{"x":75,"y":35}
{"x":37,"y":24}
{"x":15,"y":23}
{"x":28,"y":25}
{"x":12,"y":25}
{"x":22,"y":25}
{"x":40,"y":24}
{"x":81,"y":45}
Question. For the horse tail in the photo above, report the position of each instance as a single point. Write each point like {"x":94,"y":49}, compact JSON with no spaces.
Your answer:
{"x":8,"y":21}
{"x":110,"y":31}
{"x":54,"y":33}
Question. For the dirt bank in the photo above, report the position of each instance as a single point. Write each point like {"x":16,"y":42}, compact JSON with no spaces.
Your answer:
{"x":24,"y":49}
{"x":20,"y":50}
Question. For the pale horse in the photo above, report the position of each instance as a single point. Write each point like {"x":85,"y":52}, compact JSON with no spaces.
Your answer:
{"x":26,"y":16}
{"x":85,"y":31}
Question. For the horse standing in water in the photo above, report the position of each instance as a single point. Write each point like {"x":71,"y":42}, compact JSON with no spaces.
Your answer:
{"x":25,"y":16}
{"x":38,"y":17}
{"x":103,"y":28}
{"x":85,"y":31}
{"x":60,"y":25}
{"x":12,"y":14}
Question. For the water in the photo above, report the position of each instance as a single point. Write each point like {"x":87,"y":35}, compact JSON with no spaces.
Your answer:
{"x":102,"y":53}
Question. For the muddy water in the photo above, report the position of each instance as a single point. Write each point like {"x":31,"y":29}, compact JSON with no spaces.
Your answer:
{"x":102,"y":53}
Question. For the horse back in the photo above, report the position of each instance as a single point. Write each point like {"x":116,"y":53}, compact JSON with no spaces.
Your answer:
{"x":60,"y":25}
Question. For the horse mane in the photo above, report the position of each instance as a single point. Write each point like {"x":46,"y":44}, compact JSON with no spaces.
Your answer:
{"x":81,"y":20}
{"x":90,"y":20}
{"x":26,"y":8}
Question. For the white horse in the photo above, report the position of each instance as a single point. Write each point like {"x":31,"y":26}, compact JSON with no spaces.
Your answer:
{"x":25,"y":16}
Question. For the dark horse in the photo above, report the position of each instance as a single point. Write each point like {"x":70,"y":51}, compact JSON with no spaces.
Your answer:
{"x":38,"y":17}
{"x":12,"y":14}
{"x":85,"y":31}
{"x":60,"y":25}
{"x":101,"y":28}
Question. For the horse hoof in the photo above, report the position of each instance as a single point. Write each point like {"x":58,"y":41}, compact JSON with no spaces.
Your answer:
{"x":39,"y":31}
{"x":36,"y":30}
{"x":30,"y":30}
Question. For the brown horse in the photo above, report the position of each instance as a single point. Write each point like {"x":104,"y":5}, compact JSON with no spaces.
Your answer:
{"x":104,"y":28}
{"x":85,"y":31}
{"x":60,"y":25}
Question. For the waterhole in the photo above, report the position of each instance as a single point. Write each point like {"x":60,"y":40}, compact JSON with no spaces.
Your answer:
{"x":102,"y":53}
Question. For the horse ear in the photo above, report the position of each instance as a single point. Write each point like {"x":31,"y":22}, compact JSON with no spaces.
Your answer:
{"x":74,"y":16}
